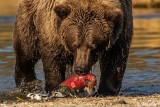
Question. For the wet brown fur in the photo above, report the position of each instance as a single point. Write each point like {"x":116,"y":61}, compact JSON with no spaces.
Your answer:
{"x":75,"y":32}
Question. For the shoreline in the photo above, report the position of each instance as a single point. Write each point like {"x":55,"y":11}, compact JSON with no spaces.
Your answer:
{"x":126,"y":98}
{"x":116,"y":101}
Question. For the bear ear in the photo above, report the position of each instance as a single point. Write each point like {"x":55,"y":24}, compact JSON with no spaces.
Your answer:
{"x":114,"y":18}
{"x":113,"y":14}
{"x":62,"y":11}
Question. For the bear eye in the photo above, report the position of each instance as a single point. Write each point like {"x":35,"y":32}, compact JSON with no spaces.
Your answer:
{"x":92,"y":46}
{"x":62,"y":11}
{"x":76,"y":45}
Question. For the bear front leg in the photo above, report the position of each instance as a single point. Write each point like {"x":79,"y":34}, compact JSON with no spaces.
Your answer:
{"x":112,"y":65}
{"x":54,"y":69}
{"x":24,"y":71}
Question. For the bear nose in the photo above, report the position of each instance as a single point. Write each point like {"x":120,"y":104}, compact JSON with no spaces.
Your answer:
{"x":80,"y":70}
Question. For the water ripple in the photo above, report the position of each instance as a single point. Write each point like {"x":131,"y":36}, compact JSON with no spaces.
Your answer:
{"x":7,"y":19}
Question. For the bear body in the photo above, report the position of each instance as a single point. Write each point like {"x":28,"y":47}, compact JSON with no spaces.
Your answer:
{"x":77,"y":33}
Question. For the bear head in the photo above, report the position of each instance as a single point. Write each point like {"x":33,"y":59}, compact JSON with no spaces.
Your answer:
{"x":87,"y":28}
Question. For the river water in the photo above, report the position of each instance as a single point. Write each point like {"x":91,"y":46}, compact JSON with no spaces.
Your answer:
{"x":143,"y":70}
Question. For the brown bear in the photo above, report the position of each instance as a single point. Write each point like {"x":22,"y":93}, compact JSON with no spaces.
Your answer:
{"x":76,"y":33}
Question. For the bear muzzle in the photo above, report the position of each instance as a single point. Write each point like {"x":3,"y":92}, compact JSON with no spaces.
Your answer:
{"x":81,"y":62}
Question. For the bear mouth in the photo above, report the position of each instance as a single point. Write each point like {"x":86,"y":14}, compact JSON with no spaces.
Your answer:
{"x":81,"y":71}
{"x":78,"y":72}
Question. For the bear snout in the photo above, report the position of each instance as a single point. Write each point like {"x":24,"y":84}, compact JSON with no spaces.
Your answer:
{"x":81,"y":62}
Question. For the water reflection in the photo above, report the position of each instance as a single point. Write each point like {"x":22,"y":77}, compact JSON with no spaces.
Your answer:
{"x":143,"y":71}
{"x":7,"y":19}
